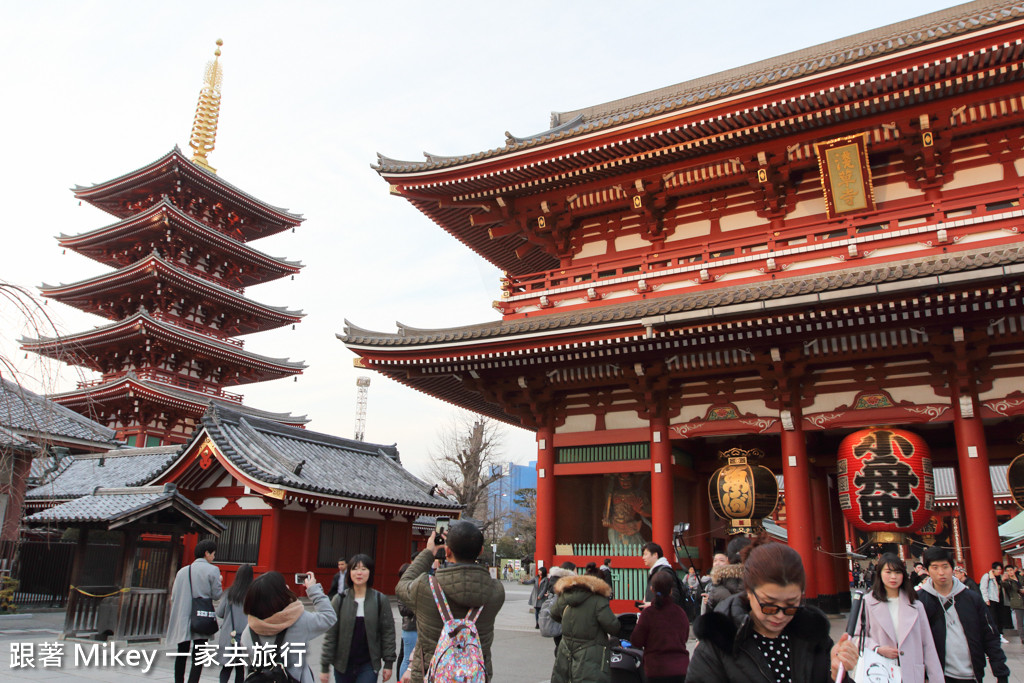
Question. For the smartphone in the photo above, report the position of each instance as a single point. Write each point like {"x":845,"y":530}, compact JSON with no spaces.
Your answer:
{"x":441,"y":527}
{"x":300,"y":578}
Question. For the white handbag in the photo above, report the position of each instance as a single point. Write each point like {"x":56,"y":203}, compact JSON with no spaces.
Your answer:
{"x":873,"y":667}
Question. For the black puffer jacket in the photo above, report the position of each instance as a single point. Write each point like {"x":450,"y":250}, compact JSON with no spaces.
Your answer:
{"x":726,"y":582}
{"x":727,"y":651}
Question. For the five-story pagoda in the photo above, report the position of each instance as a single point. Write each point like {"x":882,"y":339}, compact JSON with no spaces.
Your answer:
{"x":176,"y":297}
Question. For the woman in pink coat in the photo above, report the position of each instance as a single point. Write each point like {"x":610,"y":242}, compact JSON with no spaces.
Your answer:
{"x":896,"y":625}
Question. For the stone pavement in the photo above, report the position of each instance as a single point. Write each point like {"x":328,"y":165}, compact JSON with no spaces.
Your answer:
{"x":520,"y":654}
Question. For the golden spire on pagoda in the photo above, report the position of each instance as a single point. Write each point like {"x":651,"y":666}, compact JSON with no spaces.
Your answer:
{"x":204,"y":128}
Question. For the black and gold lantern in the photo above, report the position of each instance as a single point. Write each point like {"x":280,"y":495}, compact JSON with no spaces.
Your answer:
{"x":741,"y":493}
{"x":1015,"y":478}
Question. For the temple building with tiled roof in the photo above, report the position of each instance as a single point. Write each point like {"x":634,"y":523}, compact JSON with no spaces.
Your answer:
{"x":38,"y":439}
{"x":767,"y":259}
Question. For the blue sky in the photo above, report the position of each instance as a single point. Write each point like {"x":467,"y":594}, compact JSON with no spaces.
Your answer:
{"x":312,"y":91}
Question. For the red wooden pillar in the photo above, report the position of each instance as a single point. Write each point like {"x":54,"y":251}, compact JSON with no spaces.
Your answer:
{"x":979,"y":511}
{"x":661,"y":485}
{"x":701,"y":528}
{"x":796,"y":473}
{"x":545,"y":550}
{"x":823,"y":564}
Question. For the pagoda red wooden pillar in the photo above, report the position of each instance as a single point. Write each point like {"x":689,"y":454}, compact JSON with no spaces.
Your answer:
{"x":979,"y":512}
{"x":796,"y":474}
{"x":661,"y":485}
{"x":545,"y":497}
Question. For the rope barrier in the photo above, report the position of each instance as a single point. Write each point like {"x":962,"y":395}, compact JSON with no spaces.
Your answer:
{"x":92,"y":595}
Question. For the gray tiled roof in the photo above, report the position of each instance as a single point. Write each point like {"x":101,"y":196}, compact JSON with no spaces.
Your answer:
{"x":27,"y":413}
{"x":860,"y":276}
{"x":117,"y":468}
{"x":216,"y":179}
{"x":113,"y":507}
{"x":301,"y":459}
{"x":884,"y":41}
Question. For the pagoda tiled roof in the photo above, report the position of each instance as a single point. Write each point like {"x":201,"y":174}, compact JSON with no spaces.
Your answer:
{"x":858,"y":281}
{"x":90,"y":243}
{"x":84,"y":473}
{"x":820,"y":59}
{"x":25,"y":415}
{"x":113,"y":508}
{"x":130,"y":384}
{"x":304,"y":461}
{"x":68,"y":347}
{"x":280,"y":218}
{"x":116,"y":280}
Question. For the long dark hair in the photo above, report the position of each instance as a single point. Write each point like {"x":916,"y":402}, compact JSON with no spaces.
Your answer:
{"x":267,"y":595}
{"x":893,"y":562}
{"x":243,"y":578}
{"x":662,"y":585}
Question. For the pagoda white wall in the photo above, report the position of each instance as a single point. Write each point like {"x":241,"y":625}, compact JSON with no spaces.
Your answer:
{"x":1001,"y":387}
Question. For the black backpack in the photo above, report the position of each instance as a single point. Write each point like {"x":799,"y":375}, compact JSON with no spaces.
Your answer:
{"x":273,"y":672}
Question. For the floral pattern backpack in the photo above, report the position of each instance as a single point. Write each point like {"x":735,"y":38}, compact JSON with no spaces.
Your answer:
{"x":459,"y":657}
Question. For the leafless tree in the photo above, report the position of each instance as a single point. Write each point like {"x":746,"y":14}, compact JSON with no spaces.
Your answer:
{"x":466,"y":461}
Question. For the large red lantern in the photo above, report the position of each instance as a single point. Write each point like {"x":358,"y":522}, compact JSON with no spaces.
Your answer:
{"x":885,"y":482}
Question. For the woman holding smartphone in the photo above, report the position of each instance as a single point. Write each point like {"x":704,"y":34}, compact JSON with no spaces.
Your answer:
{"x":362,"y":643}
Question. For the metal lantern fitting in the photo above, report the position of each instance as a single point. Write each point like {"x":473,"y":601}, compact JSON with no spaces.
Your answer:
{"x":741,"y":493}
{"x":1015,"y":478}
{"x":885,"y":482}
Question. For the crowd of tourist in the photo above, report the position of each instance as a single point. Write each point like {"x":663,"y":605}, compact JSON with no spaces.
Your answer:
{"x":748,"y":614}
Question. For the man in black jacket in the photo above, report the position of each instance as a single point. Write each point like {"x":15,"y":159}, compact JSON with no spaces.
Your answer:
{"x":654,"y":557}
{"x":961,"y":626}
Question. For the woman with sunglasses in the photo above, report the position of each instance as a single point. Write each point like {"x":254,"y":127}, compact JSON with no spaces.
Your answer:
{"x":895,"y":623}
{"x":766,"y":634}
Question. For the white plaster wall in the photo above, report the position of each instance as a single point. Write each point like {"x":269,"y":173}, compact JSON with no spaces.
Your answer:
{"x":1018,"y":166}
{"x":895,"y":190}
{"x":982,"y":236}
{"x":893,"y":251}
{"x":678,"y":284}
{"x":824,"y":403}
{"x":359,"y":513}
{"x":1001,"y":388}
{"x":294,"y":507}
{"x":975,"y":176}
{"x":626,"y":419}
{"x":577,"y":423}
{"x":214,"y":503}
{"x":921,"y":395}
{"x":627,"y":242}
{"x":333,"y":510}
{"x":808,"y":207}
{"x":688,"y":413}
{"x":597,"y":247}
{"x":252,"y":503}
{"x":755,"y":408}
{"x":689,"y":230}
{"x":814,"y":263}
{"x":739,"y":275}
{"x":738,"y":221}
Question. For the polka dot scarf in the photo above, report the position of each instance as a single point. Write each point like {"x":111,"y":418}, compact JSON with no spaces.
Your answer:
{"x":776,"y":651}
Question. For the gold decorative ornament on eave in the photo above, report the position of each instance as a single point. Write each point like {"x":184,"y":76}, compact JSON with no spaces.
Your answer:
{"x":204,"y":127}
{"x":846,"y":175}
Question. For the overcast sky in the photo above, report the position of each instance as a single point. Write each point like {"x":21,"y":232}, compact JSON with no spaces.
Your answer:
{"x":312,"y":91}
